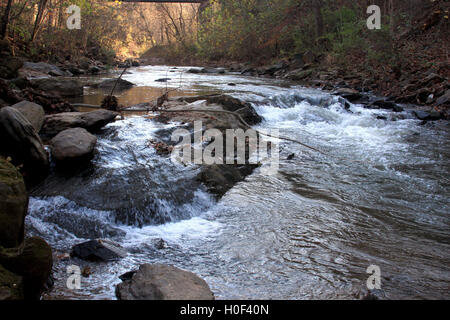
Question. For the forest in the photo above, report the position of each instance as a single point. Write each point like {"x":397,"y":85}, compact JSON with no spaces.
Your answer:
{"x":413,"y":37}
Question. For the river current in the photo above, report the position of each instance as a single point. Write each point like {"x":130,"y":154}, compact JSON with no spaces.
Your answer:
{"x":380,"y":196}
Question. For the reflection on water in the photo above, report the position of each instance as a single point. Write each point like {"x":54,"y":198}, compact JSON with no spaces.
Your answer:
{"x":134,"y":95}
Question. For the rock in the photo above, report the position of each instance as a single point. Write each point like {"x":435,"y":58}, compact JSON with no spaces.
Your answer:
{"x":21,"y":142}
{"x":33,"y":261}
{"x":9,"y":66}
{"x":61,"y":87}
{"x":98,"y":250}
{"x":135,"y":63}
{"x":163,"y":80}
{"x":110,"y":83}
{"x":73,"y":146}
{"x":218,"y":179}
{"x":91,"y":121}
{"x":83,"y":226}
{"x":230,"y":104}
{"x":33,"y":112}
{"x":127,"y":275}
{"x":94,"y":70}
{"x":349,"y":94}
{"x":421,"y":115}
{"x":43,"y":67}
{"x":20,"y":82}
{"x":428,"y":116}
{"x":192,"y":70}
{"x":11,"y":285}
{"x":248,"y":71}
{"x":383,"y":104}
{"x":444,"y":99}
{"x":271,"y":70}
{"x":13,"y":205}
{"x":75,"y":70}
{"x":212,"y":71}
{"x":163,"y":282}
{"x":298,"y":74}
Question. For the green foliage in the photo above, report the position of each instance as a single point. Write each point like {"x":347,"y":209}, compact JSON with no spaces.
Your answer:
{"x":247,"y":29}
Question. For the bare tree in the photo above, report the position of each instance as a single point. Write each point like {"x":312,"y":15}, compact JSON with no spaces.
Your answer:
{"x":5,"y":20}
{"x":37,"y":23}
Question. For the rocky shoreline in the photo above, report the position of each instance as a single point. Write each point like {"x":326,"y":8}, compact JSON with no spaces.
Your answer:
{"x":429,"y":94}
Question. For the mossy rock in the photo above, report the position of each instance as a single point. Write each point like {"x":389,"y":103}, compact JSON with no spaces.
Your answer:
{"x":33,"y":261}
{"x":13,"y":205}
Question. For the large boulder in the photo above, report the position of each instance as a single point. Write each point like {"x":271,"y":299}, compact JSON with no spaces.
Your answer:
{"x":73,"y":145}
{"x":33,"y":261}
{"x":163,"y":282}
{"x":98,"y":250}
{"x":13,"y":205}
{"x":11,"y":285}
{"x":61,"y":87}
{"x":21,"y":142}
{"x":33,"y":112}
{"x":44,"y":68}
{"x":91,"y":121}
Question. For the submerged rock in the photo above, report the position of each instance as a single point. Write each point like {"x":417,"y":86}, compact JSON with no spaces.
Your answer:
{"x":13,"y":205}
{"x":98,"y":250}
{"x":83,"y":226}
{"x":163,"y":282}
{"x":218,"y":179}
{"x":21,"y":142}
{"x":33,"y":112}
{"x":110,"y":83}
{"x":163,"y":80}
{"x":91,"y":121}
{"x":73,"y":146}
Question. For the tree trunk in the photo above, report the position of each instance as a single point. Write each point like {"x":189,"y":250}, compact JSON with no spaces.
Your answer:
{"x":37,"y":22}
{"x":5,"y":20}
{"x":317,"y":6}
{"x":392,"y":18}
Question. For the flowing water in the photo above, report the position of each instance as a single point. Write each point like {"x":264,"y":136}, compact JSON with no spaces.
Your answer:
{"x":379,"y":197}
